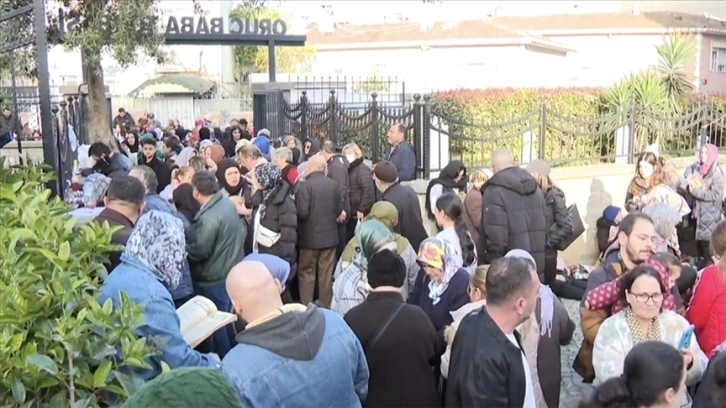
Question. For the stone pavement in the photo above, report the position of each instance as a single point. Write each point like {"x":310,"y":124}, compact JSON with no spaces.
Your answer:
{"x":573,"y":389}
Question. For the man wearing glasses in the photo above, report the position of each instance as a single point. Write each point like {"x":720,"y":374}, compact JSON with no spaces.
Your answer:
{"x":636,"y":243}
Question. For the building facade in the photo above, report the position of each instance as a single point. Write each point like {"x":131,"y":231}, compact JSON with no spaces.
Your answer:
{"x":584,"y":50}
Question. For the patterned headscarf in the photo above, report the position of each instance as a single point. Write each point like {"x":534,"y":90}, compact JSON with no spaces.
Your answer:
{"x":436,"y":254}
{"x":158,"y":242}
{"x":268,"y":175}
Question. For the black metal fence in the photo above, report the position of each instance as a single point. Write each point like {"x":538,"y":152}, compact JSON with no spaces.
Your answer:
{"x":563,"y":139}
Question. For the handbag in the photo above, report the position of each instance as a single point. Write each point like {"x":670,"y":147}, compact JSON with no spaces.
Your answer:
{"x":578,"y":228}
{"x":266,"y":237}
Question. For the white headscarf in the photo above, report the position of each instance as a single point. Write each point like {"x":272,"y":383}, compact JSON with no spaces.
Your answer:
{"x":546,"y":297}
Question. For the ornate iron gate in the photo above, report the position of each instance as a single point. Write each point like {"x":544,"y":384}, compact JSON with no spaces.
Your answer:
{"x":22,"y":29}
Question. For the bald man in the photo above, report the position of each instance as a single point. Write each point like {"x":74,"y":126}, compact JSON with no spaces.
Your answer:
{"x":513,"y":213}
{"x":319,"y":211}
{"x":502,"y":159}
{"x":307,"y":356}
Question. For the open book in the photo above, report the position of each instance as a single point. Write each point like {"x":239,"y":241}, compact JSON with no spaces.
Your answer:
{"x":200,"y":318}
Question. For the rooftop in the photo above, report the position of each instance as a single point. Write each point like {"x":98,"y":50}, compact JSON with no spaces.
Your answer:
{"x":521,"y":28}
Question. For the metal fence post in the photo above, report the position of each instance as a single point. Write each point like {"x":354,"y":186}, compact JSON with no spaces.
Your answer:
{"x":425,"y":137}
{"x":542,"y":127}
{"x":702,"y":136}
{"x":375,"y":127}
{"x":333,"y":132}
{"x":304,"y":116}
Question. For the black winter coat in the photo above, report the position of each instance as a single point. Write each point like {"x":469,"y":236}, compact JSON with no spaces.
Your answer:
{"x":338,"y":171}
{"x":486,"y":368}
{"x":403,"y":355}
{"x":410,"y":222}
{"x":318,"y":207}
{"x":362,"y":188}
{"x":514,"y":216}
{"x":558,"y":218}
{"x":281,"y":216}
{"x":162,"y":171}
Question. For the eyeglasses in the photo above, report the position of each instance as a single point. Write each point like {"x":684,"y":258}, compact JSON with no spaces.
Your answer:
{"x":645,"y":297}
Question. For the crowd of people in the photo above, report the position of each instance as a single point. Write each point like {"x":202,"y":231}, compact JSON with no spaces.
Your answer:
{"x":348,"y":294}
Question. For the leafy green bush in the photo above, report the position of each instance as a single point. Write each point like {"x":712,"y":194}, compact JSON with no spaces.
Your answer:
{"x":480,"y":121}
{"x":58,"y":345}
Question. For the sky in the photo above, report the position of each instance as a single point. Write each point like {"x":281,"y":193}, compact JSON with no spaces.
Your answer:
{"x":355,"y":10}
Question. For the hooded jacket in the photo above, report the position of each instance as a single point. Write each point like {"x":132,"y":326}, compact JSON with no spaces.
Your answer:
{"x":513,"y":216}
{"x":314,"y":143}
{"x":280,"y":361}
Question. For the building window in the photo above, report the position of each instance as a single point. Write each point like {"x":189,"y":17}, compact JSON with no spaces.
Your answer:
{"x":718,"y":58}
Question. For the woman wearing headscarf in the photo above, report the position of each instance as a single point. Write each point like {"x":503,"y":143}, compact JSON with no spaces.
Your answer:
{"x":151,"y":266}
{"x":230,"y":178}
{"x":386,"y":213}
{"x":704,"y":183}
{"x":549,"y":328}
{"x":351,"y":287}
{"x":213,"y":156}
{"x":275,"y":219}
{"x":441,"y":286}
{"x":182,"y":159}
{"x":451,"y":179}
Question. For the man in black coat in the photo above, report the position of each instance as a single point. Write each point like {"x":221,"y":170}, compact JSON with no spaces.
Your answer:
{"x":513,"y":213}
{"x":319,"y":212}
{"x":488,"y":367}
{"x":400,"y":152}
{"x":338,"y":171}
{"x":410,"y":220}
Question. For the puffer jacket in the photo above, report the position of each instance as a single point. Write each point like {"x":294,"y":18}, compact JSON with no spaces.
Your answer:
{"x":514,"y":216}
{"x":281,"y":216}
{"x":707,"y":311}
{"x":216,"y":241}
{"x":361,"y":187}
{"x":710,"y":200}
{"x":558,"y":218}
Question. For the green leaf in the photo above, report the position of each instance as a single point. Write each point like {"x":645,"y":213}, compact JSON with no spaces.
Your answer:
{"x":99,"y":377}
{"x":130,"y":383}
{"x":83,"y":403}
{"x":43,"y":362}
{"x":18,"y":391}
{"x":64,"y":252}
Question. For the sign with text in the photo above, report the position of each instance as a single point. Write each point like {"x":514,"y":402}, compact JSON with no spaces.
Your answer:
{"x":217,"y":25}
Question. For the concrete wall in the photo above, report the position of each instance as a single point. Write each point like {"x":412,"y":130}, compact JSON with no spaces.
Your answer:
{"x":715,"y":81}
{"x":32,"y":148}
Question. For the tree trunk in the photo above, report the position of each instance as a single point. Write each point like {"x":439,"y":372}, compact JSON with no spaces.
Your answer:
{"x":98,"y":116}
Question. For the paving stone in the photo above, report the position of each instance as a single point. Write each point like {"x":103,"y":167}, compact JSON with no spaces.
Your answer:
{"x":573,"y":389}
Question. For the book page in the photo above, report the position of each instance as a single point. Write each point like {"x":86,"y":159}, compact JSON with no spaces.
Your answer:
{"x":194,"y":311}
{"x":203,"y":329}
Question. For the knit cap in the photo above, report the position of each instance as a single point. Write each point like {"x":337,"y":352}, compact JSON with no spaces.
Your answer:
{"x":188,"y":387}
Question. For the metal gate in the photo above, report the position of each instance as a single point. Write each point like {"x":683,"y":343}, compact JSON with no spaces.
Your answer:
{"x":22,"y":26}
{"x":165,"y":109}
